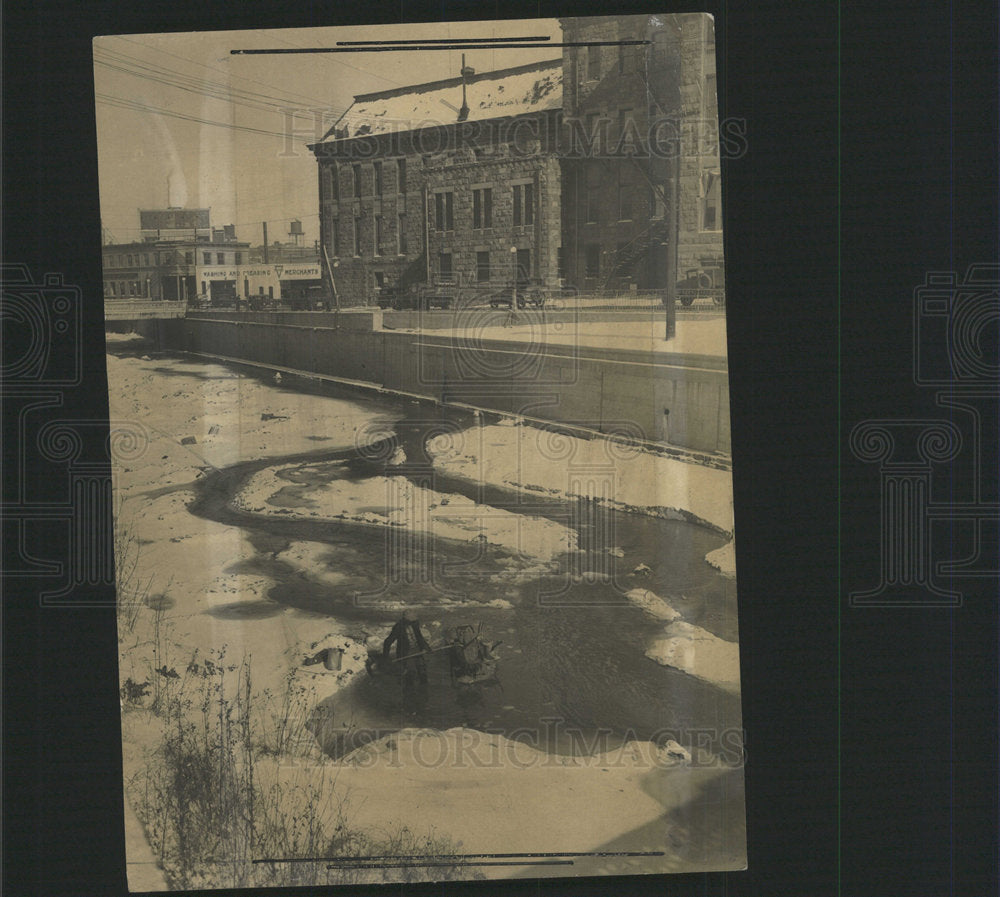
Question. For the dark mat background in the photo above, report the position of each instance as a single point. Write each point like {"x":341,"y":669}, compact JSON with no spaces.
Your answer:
{"x":872,"y":733}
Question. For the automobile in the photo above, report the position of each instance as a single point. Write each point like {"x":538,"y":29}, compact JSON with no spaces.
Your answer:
{"x":527,"y":294}
{"x":312,"y":298}
{"x":707,"y":282}
{"x":416,"y":297}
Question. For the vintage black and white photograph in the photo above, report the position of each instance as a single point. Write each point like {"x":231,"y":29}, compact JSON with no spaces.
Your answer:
{"x":420,"y":430}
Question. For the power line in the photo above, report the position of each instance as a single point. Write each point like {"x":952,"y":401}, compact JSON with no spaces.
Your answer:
{"x":204,"y":89}
{"x":224,"y":71}
{"x":137,"y":106}
{"x":150,"y":71}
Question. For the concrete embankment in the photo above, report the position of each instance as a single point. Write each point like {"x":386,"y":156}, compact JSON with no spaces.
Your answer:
{"x":648,"y":394}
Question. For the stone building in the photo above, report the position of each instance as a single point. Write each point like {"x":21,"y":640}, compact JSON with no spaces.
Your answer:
{"x":699,"y":243}
{"x":578,"y":170}
{"x":406,"y":198}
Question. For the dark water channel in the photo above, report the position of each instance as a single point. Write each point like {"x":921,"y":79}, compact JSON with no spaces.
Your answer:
{"x":572,"y":662}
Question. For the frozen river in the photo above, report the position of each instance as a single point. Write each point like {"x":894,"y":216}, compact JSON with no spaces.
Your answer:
{"x":271,"y":518}
{"x":572,"y":640}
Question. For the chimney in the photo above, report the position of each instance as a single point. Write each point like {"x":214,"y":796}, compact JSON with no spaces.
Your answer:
{"x":467,"y":73}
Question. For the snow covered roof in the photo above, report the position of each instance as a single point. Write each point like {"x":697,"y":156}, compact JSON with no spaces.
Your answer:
{"x":536,"y":87}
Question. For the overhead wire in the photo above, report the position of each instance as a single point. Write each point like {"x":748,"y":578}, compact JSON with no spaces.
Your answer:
{"x":226,"y":71}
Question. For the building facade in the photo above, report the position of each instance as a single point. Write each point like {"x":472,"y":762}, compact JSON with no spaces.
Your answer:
{"x":580,"y":170}
{"x":170,"y":261}
{"x":406,"y":199}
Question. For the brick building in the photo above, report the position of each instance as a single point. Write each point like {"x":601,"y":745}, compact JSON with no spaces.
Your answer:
{"x":579,"y":169}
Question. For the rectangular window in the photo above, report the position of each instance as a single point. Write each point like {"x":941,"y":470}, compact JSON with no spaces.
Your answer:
{"x":357,"y":179}
{"x":401,"y":176}
{"x":444,"y":211}
{"x":444,"y":265}
{"x":334,"y":237}
{"x":711,"y":201}
{"x":592,"y":194}
{"x":624,"y":198}
{"x":593,"y":63}
{"x":378,"y":178}
{"x":357,"y":236}
{"x":593,"y":260}
{"x":524,"y":208}
{"x":482,"y":208}
{"x":145,"y":258}
{"x":482,"y":266}
{"x":189,"y":258}
{"x":378,"y":235}
{"x":220,"y":258}
{"x":238,"y":258}
{"x":207,"y":258}
{"x":332,"y":184}
{"x":401,"y":234}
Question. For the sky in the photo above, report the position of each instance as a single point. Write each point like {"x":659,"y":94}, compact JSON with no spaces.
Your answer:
{"x":182,"y":121}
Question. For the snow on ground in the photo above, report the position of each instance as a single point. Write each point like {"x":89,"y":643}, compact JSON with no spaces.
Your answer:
{"x":652,"y":604}
{"x":170,"y":418}
{"x":622,"y":476}
{"x":693,"y":337}
{"x":689,"y":648}
{"x":536,"y":460}
{"x":696,"y":651}
{"x":396,"y":501}
{"x":212,"y":601}
{"x":200,"y":565}
{"x":491,"y":793}
{"x":724,"y":559}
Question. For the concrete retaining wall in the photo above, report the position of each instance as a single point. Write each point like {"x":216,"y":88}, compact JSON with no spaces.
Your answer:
{"x":674,"y":399}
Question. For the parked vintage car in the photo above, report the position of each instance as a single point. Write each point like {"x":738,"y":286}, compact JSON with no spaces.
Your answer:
{"x":707,"y":282}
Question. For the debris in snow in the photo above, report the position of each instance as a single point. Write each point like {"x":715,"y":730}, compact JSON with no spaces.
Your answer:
{"x":674,"y":750}
{"x":641,"y":570}
{"x":189,"y":440}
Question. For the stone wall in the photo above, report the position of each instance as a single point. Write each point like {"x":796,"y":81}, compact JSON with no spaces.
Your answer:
{"x":497,"y":168}
{"x":696,"y":243}
{"x":620,"y":103}
{"x":676,"y":400}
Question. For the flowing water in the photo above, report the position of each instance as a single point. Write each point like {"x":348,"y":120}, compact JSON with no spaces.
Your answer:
{"x":572,"y":672}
